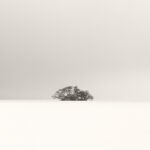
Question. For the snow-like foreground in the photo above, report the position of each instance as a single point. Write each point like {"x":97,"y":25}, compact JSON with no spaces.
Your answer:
{"x":90,"y":125}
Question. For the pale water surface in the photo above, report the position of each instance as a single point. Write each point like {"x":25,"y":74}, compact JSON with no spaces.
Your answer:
{"x":91,"y":125}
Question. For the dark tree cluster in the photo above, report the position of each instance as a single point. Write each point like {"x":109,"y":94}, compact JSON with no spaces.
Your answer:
{"x":72,"y":93}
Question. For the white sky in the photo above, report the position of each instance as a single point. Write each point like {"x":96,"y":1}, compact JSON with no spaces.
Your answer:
{"x":101,"y":46}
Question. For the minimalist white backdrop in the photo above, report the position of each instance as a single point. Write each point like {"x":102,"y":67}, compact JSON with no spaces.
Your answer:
{"x":38,"y":125}
{"x":100,"y":45}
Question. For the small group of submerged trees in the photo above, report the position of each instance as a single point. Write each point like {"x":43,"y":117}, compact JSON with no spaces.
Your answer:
{"x":72,"y":93}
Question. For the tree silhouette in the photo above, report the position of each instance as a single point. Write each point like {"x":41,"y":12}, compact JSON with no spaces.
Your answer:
{"x":72,"y":93}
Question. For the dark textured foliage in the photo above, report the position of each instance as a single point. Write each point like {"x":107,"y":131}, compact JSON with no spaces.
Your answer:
{"x":72,"y":93}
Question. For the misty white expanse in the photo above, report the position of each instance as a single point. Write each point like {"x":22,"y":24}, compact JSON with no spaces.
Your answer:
{"x":38,"y":125}
{"x":100,"y":46}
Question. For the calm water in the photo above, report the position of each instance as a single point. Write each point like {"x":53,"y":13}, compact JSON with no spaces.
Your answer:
{"x":37,"y":124}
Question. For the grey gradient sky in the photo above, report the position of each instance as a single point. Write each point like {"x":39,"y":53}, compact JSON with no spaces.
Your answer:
{"x":99,"y":45}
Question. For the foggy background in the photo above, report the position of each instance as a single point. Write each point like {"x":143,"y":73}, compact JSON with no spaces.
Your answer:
{"x":100,"y":46}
